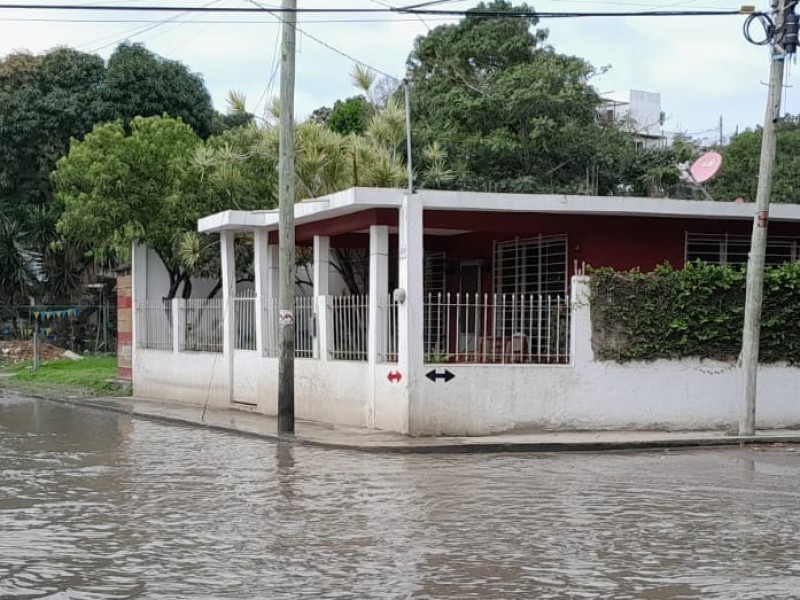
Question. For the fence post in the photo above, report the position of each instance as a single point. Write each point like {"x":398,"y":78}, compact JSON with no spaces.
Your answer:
{"x":322,"y":261}
{"x":378,"y":289}
{"x":324,"y":326}
{"x":178,"y":324}
{"x":410,"y":307}
{"x":580,"y":326}
{"x":260,"y":268}
{"x":138,"y":296}
{"x":227,"y":239}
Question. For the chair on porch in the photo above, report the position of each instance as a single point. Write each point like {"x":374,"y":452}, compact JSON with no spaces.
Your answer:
{"x":517,"y":348}
{"x":490,"y":349}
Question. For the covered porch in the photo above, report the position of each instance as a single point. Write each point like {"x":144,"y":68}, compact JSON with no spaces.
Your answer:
{"x":468,"y":313}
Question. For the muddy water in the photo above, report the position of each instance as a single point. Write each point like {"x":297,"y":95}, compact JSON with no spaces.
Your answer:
{"x":96,"y":505}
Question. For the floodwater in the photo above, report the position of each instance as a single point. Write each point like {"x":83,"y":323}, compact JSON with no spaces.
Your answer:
{"x":96,"y":505}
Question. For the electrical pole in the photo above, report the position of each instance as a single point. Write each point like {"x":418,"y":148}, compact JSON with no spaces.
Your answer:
{"x":286,"y":321}
{"x":783,"y":45}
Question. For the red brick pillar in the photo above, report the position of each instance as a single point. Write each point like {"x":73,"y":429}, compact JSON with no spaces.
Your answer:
{"x":124,"y":326}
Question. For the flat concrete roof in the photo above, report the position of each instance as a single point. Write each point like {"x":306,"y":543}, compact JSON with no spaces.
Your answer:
{"x":357,"y":199}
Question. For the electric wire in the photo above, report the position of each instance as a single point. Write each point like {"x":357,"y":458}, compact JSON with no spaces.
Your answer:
{"x":118,"y":37}
{"x":410,"y":11}
{"x":325,"y":44}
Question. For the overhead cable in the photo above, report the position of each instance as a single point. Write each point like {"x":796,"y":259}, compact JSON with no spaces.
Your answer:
{"x":388,"y":10}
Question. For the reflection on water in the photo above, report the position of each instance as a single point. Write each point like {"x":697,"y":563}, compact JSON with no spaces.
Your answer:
{"x":94,"y":505}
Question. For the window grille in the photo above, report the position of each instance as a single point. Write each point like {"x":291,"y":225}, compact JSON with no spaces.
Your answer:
{"x":528,"y":267}
{"x":727,"y":249}
{"x":531,"y":266}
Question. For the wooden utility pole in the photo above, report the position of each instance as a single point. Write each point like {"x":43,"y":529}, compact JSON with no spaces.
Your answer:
{"x":758,"y":244}
{"x":286,"y":320}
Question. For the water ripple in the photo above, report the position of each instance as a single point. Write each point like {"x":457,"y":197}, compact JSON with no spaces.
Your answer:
{"x":96,"y":506}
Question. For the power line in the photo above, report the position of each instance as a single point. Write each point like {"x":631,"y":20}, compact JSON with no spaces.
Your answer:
{"x":232,"y":9}
{"x":422,"y":11}
{"x":323,"y":43}
{"x":116,"y":38}
{"x":389,"y":19}
{"x":569,"y":15}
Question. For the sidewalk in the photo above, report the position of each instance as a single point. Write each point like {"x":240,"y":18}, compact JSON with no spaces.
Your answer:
{"x":366,"y":440}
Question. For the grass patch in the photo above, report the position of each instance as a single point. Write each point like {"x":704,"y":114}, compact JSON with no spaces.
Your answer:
{"x":94,"y":375}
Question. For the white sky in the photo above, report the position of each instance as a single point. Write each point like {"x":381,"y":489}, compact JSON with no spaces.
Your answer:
{"x":702,"y":67}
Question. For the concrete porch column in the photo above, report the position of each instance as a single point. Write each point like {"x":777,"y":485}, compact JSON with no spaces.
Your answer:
{"x":228,"y":263}
{"x":410,"y":305}
{"x":321,"y":275}
{"x":260,"y":266}
{"x":377,"y":329}
{"x":378,"y":289}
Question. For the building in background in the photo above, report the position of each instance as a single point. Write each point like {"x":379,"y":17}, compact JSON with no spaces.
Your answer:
{"x":637,"y":112}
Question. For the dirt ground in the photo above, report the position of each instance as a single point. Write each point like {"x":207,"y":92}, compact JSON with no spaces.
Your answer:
{"x":17,"y":351}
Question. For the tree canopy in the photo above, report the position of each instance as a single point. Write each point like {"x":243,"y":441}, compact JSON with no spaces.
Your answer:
{"x":140,"y":83}
{"x":49,"y":99}
{"x":495,"y":108}
{"x":738,"y":176}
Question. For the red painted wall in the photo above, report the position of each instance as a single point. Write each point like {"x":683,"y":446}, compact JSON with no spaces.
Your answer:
{"x":598,"y":241}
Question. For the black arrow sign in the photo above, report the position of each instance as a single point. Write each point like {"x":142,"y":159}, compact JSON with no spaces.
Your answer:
{"x":433,"y":375}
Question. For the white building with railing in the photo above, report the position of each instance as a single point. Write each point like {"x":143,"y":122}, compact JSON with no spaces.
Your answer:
{"x":475,"y":318}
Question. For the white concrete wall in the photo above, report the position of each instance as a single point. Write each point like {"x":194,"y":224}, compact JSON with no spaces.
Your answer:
{"x":646,"y":111}
{"x":340,"y":392}
{"x":158,"y":280}
{"x":589,"y":394}
{"x":187,"y":377}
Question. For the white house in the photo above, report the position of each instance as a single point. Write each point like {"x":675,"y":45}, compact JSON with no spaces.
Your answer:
{"x":475,"y":319}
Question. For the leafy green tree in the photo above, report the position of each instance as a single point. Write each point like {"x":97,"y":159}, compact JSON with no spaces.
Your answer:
{"x":350,"y":115}
{"x":495,"y":108}
{"x":44,"y":101}
{"x":118,"y":187}
{"x":140,"y":83}
{"x":738,"y":176}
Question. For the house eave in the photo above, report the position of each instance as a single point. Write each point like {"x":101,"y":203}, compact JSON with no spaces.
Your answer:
{"x":357,"y":199}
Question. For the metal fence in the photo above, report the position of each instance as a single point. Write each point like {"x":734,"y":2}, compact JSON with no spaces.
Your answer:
{"x":303,"y":326}
{"x":154,"y":320}
{"x":497,"y":328}
{"x":244,"y":318}
{"x":349,"y":316}
{"x":387,"y":331}
{"x":203,"y":325}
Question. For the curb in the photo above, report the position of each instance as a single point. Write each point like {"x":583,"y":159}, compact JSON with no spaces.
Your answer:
{"x":447,"y":448}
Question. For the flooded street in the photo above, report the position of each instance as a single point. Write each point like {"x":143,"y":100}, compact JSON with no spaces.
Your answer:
{"x":97,"y":505}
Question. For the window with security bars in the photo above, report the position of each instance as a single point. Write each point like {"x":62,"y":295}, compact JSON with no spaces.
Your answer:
{"x":733,"y":250}
{"x":434,"y":288}
{"x":528,"y":274}
{"x":531,"y":266}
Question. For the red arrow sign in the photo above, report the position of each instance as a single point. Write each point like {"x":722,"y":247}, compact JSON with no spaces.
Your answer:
{"x":394,"y":376}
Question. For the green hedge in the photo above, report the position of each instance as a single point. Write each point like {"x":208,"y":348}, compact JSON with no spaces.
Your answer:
{"x":695,"y":312}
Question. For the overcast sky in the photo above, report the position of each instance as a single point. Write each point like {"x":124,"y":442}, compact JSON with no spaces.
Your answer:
{"x":702,"y":66}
